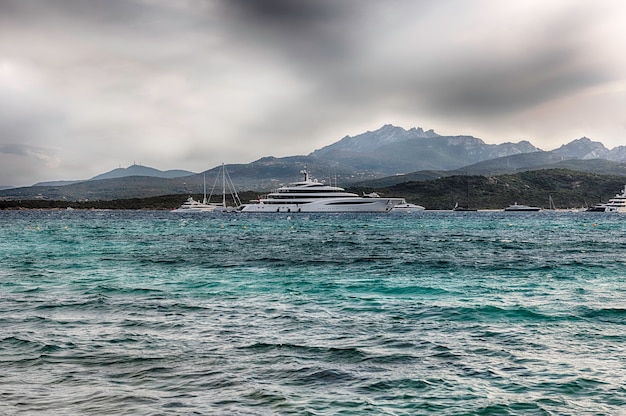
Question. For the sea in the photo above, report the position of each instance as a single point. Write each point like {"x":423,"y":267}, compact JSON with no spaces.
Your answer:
{"x":431,"y":313}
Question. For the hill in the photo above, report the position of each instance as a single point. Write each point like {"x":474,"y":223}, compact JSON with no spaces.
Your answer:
{"x":568,"y":189}
{"x":140,"y":170}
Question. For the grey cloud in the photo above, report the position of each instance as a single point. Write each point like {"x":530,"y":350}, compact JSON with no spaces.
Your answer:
{"x":14,"y":149}
{"x":119,"y":11}
{"x":32,"y":152}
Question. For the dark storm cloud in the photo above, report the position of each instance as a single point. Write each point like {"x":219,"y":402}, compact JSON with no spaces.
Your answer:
{"x":285,"y":12}
{"x":507,"y":86}
{"x":339,"y":48}
{"x":309,"y":35}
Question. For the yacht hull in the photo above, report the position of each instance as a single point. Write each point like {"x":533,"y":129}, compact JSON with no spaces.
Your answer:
{"x":621,"y":209}
{"x":326,"y":205}
{"x":407,"y":208}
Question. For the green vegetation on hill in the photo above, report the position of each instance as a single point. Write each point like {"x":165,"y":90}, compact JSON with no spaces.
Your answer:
{"x":568,"y":189}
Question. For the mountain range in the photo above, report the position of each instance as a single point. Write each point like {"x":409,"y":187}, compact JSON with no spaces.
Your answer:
{"x":393,"y":150}
{"x":384,"y":157}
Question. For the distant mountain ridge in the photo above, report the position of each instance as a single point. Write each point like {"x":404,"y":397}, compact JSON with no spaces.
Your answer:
{"x":140,"y":170}
{"x":391,"y":150}
{"x":132,"y":170}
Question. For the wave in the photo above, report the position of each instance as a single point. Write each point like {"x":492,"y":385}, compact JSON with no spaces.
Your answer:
{"x":327,"y":354}
{"x":610,"y":315}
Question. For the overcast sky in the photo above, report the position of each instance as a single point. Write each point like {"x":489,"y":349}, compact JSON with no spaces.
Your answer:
{"x":87,"y":86}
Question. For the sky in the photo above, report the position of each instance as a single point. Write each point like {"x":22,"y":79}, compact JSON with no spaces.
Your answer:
{"x":87,"y":86}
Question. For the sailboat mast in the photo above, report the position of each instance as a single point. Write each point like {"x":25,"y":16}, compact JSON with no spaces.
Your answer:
{"x":223,"y":186}
{"x":204,"y":182}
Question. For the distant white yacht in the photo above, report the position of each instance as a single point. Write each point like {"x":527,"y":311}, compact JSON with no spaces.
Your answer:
{"x":521,"y":208}
{"x":309,"y":195}
{"x":191,"y":205}
{"x":406,"y":207}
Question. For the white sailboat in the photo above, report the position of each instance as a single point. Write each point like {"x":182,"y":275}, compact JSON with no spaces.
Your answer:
{"x":227,"y":183}
{"x":551,"y":201}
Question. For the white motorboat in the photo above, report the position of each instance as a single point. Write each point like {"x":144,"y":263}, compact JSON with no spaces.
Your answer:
{"x":191,"y":205}
{"x":615,"y":204}
{"x":406,"y":207}
{"x":309,"y":195}
{"x":521,"y":208}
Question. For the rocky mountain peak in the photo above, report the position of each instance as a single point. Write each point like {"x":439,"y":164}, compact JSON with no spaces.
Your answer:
{"x":372,"y":140}
{"x":583,"y":148}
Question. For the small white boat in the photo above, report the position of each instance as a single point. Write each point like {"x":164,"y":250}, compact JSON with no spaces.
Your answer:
{"x":521,"y":208}
{"x":191,"y":205}
{"x":407,"y":207}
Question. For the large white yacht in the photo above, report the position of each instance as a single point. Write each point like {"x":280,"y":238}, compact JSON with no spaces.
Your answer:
{"x":309,"y":195}
{"x":615,"y":204}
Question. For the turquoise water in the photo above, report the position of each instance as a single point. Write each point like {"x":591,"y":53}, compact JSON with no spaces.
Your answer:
{"x":145,"y":313}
